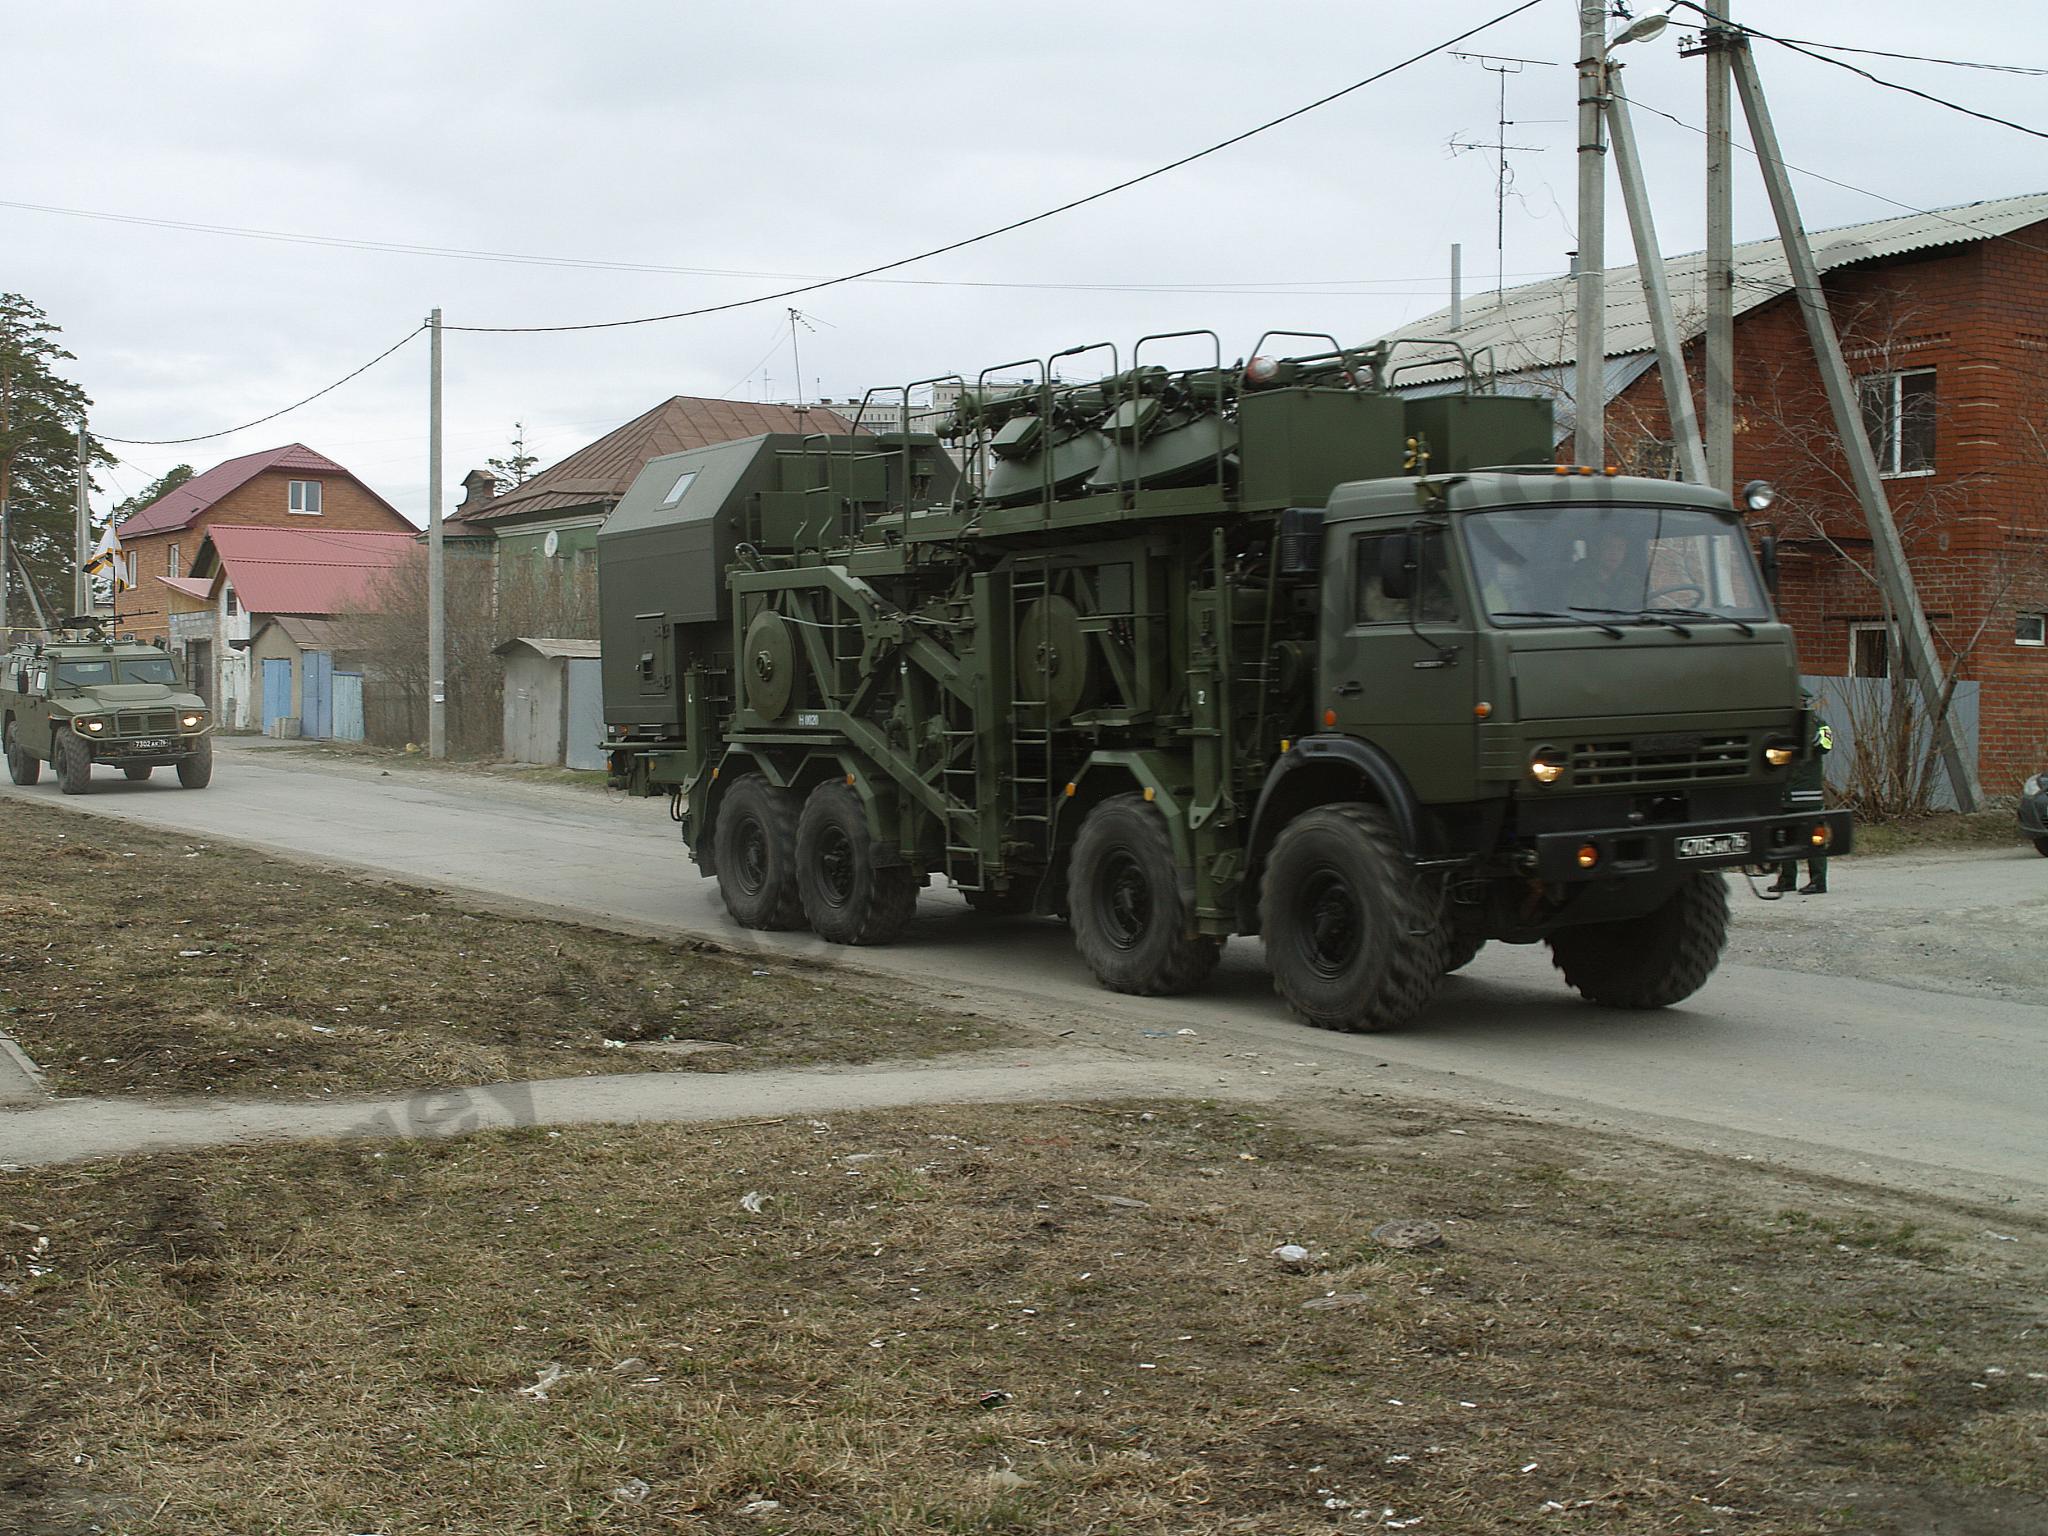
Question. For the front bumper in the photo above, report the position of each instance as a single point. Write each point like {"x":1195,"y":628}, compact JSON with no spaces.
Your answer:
{"x":1721,"y":844}
{"x":136,"y":752}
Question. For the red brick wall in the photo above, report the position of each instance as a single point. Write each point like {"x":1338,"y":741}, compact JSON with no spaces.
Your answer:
{"x":263,"y":502}
{"x":1976,"y":530}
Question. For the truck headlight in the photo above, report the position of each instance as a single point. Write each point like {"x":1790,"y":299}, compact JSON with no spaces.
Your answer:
{"x":2032,"y":785}
{"x":1546,"y":765}
{"x":88,"y":727}
{"x":1779,"y":755}
{"x":1758,"y":495}
{"x":189,"y":721}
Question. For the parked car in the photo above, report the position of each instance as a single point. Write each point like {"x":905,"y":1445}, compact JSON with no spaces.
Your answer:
{"x":2034,"y":811}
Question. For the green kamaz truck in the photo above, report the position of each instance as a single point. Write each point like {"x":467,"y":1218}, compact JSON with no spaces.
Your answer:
{"x":1185,"y":653}
{"x":86,"y":697}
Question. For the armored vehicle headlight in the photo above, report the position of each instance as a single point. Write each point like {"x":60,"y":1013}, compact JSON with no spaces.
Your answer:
{"x":2032,"y":786}
{"x":1778,"y":754}
{"x":89,"y":727}
{"x":1546,"y":765}
{"x":188,"y":721}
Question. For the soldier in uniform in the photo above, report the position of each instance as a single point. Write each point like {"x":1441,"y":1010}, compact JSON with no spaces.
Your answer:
{"x":1805,"y":792}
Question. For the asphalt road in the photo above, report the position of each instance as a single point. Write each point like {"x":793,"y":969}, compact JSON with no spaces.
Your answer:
{"x":1937,"y":1087}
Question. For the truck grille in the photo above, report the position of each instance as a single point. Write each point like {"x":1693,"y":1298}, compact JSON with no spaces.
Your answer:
{"x":150,"y":722}
{"x":1659,"y":760}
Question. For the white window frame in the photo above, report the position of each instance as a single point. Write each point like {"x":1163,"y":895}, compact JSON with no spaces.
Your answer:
{"x":1890,"y":646}
{"x":296,"y":499}
{"x":1890,"y":446}
{"x":171,"y":560}
{"x":227,"y":602}
{"x":2039,"y":623}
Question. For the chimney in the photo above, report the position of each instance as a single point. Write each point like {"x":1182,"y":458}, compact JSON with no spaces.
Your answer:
{"x":478,"y":487}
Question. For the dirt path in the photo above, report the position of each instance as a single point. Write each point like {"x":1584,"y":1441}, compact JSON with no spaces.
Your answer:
{"x":70,"y":1130}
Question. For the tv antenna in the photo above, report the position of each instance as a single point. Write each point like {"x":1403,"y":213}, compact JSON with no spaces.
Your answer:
{"x":1502,"y":65}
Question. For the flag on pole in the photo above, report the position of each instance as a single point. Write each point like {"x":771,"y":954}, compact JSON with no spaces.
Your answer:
{"x":109,"y":558}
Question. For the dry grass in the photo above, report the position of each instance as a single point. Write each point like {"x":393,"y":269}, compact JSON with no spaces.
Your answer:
{"x":1610,"y":1340}
{"x":1995,"y":827}
{"x":136,"y":961}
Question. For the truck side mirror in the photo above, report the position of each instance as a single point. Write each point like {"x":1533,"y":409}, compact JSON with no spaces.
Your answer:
{"x":1397,"y":565}
{"x":1767,"y":557}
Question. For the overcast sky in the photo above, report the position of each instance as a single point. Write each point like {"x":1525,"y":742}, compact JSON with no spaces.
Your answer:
{"x":772,"y":138}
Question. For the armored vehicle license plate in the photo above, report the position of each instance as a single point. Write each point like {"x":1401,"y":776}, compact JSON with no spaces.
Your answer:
{"x":150,"y":744}
{"x":1713,"y":845}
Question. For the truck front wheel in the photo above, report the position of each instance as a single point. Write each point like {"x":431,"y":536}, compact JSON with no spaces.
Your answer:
{"x":1352,"y":938}
{"x":1124,"y":893}
{"x":196,"y":770}
{"x":73,"y":764}
{"x":847,"y":896}
{"x":756,"y":846}
{"x":22,"y":766}
{"x":1650,"y":961}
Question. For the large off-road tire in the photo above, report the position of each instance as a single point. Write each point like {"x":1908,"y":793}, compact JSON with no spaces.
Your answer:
{"x":137,"y":773}
{"x":847,"y":897}
{"x":1015,"y":901}
{"x":23,"y":766}
{"x":1354,"y":938}
{"x":756,"y":847}
{"x":1460,"y":950}
{"x":2040,"y":843}
{"x":196,"y":771}
{"x":1652,"y":961}
{"x":1124,"y":896}
{"x":73,"y":764}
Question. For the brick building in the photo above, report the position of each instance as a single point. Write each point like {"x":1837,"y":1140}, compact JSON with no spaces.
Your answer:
{"x":288,"y":487}
{"x":1944,"y":320}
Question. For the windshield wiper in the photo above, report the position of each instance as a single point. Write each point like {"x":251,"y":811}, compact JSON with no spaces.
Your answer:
{"x":1709,"y":615}
{"x":1570,"y":618}
{"x":1642,"y":615}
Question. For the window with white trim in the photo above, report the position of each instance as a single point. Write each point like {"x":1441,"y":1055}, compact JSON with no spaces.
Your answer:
{"x":304,"y":498}
{"x":1898,"y":418}
{"x":171,"y":561}
{"x":2031,"y":629}
{"x":1870,"y":650}
{"x":227,"y":597}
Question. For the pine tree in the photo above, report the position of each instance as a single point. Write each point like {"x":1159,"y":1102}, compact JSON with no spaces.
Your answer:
{"x":41,"y":414}
{"x":517,"y":466}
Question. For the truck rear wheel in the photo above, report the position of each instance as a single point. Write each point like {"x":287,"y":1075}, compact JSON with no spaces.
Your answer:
{"x":1650,"y":961}
{"x":1352,"y":937}
{"x":848,"y":897}
{"x":73,"y":765}
{"x":1124,"y":894}
{"x":756,"y":846}
{"x":22,"y":766}
{"x":196,"y":771}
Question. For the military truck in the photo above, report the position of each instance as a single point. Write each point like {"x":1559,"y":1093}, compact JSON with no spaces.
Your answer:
{"x":1185,"y":653}
{"x":87,"y":697}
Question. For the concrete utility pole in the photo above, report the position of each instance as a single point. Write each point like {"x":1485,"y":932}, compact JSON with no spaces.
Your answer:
{"x":81,"y":584}
{"x":1589,"y":404}
{"x":1685,"y":426}
{"x":1717,"y":37}
{"x":1457,"y":286}
{"x":1888,"y":553}
{"x":437,"y":612}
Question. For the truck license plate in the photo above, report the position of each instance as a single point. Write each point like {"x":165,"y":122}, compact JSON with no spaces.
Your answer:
{"x":150,"y":744}
{"x":1713,"y":845}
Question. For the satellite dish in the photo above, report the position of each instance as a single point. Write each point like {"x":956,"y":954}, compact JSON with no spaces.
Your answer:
{"x":552,"y":544}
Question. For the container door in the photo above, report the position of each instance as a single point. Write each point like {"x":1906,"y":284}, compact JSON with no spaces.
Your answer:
{"x":586,"y":714}
{"x":316,"y":695}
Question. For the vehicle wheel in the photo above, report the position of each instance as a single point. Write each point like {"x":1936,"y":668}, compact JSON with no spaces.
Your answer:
{"x":756,"y":846}
{"x":1014,"y":902}
{"x":847,"y":897}
{"x":1353,"y":937}
{"x":1651,"y":961}
{"x":23,"y":767}
{"x":2040,"y":843}
{"x":1124,"y":896}
{"x":1460,"y":950}
{"x":73,"y":762}
{"x":196,"y":771}
{"x":138,"y":773}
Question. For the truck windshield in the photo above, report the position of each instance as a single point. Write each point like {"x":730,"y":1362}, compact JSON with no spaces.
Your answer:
{"x":1538,"y":565}
{"x":127,"y":669}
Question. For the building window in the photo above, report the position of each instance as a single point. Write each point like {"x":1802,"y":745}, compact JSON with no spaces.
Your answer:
{"x":171,"y":561}
{"x":305,"y":498}
{"x":1870,"y":650}
{"x":2032,"y":629}
{"x":227,"y":595}
{"x":1898,"y":416}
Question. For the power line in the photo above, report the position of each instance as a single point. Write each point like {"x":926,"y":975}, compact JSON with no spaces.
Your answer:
{"x":1806,"y":51}
{"x":1913,"y":58}
{"x":1017,"y":224}
{"x":205,"y":437}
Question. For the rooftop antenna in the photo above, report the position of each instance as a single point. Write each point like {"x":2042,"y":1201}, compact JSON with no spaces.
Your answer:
{"x":798,"y":318}
{"x":1502,"y":65}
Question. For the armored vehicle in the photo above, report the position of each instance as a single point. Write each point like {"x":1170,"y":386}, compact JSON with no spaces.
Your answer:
{"x":1183,"y":653}
{"x":87,"y":697}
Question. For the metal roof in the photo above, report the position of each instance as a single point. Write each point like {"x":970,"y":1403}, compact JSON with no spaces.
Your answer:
{"x":177,"y":508}
{"x":1535,"y":326}
{"x":311,"y":634}
{"x":598,"y":473}
{"x":313,"y":571}
{"x":552,"y":649}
